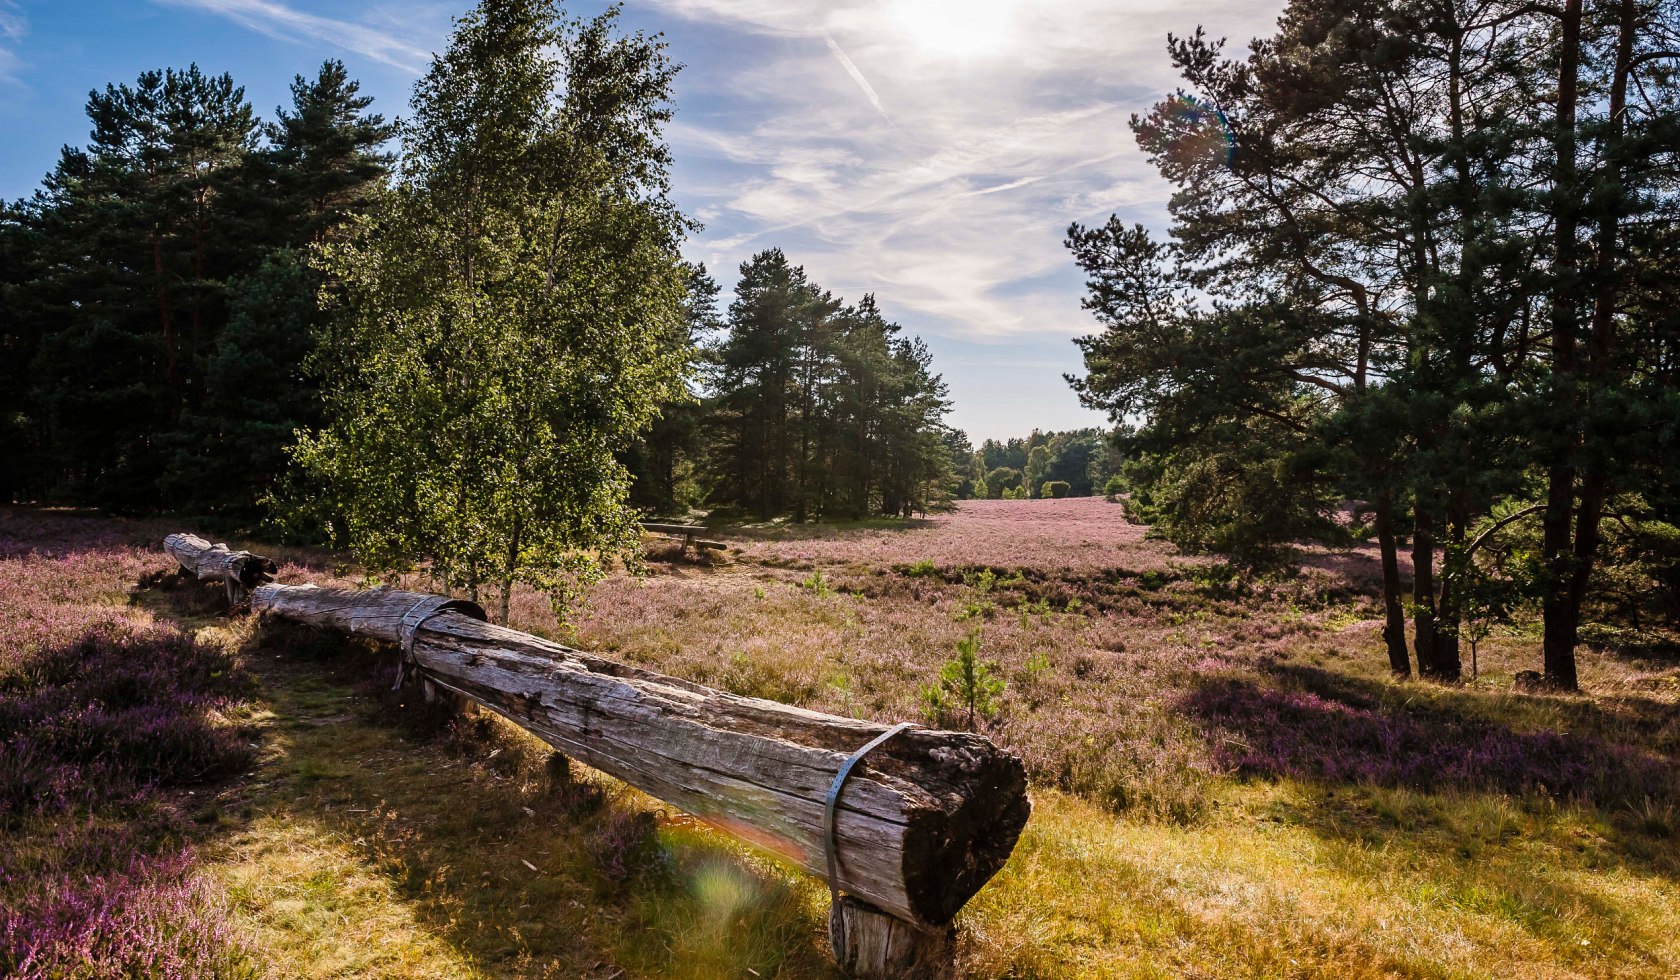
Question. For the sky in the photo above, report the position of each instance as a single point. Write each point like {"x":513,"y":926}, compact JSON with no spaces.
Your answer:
{"x":932,"y":152}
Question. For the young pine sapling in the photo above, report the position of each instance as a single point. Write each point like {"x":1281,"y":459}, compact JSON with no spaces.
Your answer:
{"x":966,"y":685}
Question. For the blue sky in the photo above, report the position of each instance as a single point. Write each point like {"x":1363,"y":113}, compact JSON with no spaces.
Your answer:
{"x":932,"y":152}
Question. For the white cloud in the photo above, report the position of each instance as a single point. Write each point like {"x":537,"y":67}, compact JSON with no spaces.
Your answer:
{"x":931,"y":151}
{"x":13,"y":26}
{"x":954,"y":212}
{"x":383,"y":41}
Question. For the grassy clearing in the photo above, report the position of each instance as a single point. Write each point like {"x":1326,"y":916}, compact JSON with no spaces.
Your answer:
{"x":1226,"y":784}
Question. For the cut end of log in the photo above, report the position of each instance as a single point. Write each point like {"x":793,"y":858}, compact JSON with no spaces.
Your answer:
{"x":257,"y":570}
{"x":951,"y":851}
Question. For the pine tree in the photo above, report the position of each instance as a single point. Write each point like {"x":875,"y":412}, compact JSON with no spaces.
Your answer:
{"x":770,"y":320}
{"x":137,"y":239}
{"x":820,"y":408}
{"x":19,"y":336}
{"x":1400,"y":228}
{"x":325,"y":162}
{"x":323,"y":167}
{"x":664,"y":463}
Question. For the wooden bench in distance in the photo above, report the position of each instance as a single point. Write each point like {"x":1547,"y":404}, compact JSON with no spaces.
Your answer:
{"x":690,"y":534}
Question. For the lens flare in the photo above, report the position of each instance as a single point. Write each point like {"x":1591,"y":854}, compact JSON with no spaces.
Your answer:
{"x":1203,"y":132}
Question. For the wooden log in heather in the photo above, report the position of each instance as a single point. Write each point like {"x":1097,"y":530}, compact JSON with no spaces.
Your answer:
{"x":923,"y":822}
{"x":216,"y":562}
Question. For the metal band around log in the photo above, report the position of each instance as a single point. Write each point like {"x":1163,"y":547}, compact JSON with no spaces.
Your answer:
{"x":416,"y":616}
{"x":829,"y":810}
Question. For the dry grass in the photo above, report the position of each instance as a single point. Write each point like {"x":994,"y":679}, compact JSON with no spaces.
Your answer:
{"x":1221,"y":772}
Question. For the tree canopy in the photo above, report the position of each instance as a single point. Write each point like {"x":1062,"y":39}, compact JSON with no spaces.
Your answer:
{"x":1413,"y":252}
{"x":512,"y":313}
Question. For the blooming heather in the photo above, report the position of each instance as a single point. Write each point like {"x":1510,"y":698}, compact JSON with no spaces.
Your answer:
{"x":1136,"y":676}
{"x":1302,"y":735}
{"x":103,"y":712}
{"x":1074,"y":534}
{"x":148,"y":917}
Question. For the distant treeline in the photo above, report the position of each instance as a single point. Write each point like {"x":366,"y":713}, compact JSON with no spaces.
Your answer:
{"x":804,"y":405}
{"x":809,"y":407}
{"x":1078,"y":463}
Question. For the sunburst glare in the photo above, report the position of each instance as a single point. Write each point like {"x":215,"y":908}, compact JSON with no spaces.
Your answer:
{"x":955,"y":27}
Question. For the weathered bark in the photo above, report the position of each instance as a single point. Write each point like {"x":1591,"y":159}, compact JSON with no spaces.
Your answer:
{"x":924,"y":822}
{"x":214,"y":562}
{"x":1423,"y":593}
{"x":1601,"y":343}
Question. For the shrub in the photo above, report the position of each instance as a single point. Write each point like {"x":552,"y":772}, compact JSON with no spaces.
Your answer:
{"x":1053,"y":488}
{"x":1003,"y":480}
{"x":1243,"y":491}
{"x":152,"y":918}
{"x":817,"y":584}
{"x":90,"y":729}
{"x":1115,"y":486}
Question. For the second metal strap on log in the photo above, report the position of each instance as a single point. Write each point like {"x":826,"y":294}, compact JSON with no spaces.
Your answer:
{"x":829,"y":810}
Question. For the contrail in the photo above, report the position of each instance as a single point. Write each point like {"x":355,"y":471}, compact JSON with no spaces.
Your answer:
{"x":857,"y":76}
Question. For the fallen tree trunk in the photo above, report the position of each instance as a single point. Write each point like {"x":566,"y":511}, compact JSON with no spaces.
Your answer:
{"x":215,"y":562}
{"x":922,"y":823}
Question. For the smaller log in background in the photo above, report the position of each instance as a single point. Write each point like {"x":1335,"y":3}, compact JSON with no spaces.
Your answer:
{"x":239,"y":571}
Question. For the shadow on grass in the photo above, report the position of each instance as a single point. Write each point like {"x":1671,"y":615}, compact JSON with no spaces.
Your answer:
{"x":1441,"y":749}
{"x":523,"y":866}
{"x":1329,"y":728}
{"x":106,"y":738}
{"x":1494,"y":805}
{"x":510,"y":863}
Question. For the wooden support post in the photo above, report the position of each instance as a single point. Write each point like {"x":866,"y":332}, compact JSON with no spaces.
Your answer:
{"x":459,"y":705}
{"x":869,"y":944}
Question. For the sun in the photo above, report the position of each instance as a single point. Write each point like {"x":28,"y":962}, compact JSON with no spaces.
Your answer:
{"x":955,"y":27}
